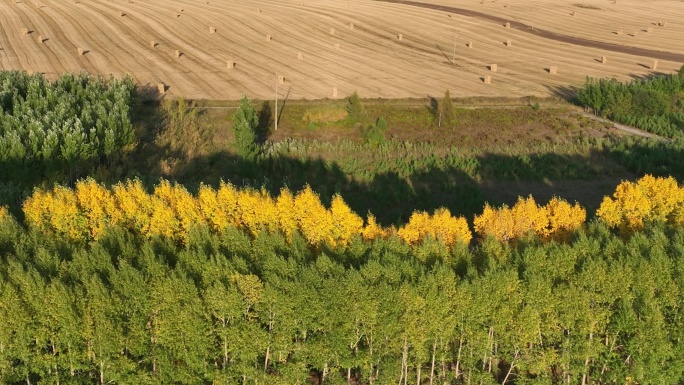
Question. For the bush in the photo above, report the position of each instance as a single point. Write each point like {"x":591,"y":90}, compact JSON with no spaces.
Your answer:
{"x":355,"y":110}
{"x":374,"y":134}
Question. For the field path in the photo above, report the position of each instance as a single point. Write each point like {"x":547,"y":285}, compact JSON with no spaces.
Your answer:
{"x":636,"y":51}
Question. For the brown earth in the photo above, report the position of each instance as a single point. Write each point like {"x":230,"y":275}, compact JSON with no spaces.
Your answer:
{"x":371,"y":58}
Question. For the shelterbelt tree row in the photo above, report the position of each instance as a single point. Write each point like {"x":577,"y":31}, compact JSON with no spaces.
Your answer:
{"x":118,"y":285}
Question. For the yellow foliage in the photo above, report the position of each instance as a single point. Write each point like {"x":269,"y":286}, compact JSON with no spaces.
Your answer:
{"x":649,"y":199}
{"x":4,"y":213}
{"x":57,"y":211}
{"x":177,"y":206}
{"x":563,"y":218}
{"x":346,"y":223}
{"x":372,"y":230}
{"x":285,"y":209}
{"x":171,"y":211}
{"x":134,"y":207}
{"x":97,"y":204}
{"x":313,"y":218}
{"x":441,"y":226}
{"x":555,"y":220}
{"x":227,"y":197}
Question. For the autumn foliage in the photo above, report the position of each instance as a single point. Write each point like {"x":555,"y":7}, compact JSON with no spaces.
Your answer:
{"x":647,"y":200}
{"x":441,"y":225}
{"x":171,"y":211}
{"x":556,"y":220}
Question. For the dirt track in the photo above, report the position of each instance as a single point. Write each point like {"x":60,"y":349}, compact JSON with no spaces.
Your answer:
{"x":636,"y":51}
{"x":323,"y":46}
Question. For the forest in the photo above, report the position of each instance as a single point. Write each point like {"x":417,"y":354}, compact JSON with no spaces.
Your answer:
{"x":108,"y":275}
{"x":654,"y":104}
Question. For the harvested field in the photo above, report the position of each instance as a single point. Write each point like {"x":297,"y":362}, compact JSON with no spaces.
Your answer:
{"x":371,"y":59}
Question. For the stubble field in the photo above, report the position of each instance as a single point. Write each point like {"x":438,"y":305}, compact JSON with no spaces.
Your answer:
{"x":328,"y":49}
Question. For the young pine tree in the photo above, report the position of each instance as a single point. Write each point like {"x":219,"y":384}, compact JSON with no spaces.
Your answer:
{"x":446,"y":109}
{"x":244,"y":126}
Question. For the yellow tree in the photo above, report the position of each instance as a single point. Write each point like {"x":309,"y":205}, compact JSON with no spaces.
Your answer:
{"x":346,"y":223}
{"x":648,"y":199}
{"x":314,"y":220}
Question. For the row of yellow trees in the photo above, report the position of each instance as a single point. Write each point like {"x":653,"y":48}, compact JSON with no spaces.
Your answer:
{"x":83,"y":213}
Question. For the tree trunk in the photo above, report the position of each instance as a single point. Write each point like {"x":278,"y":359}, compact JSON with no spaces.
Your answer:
{"x":101,"y":372}
{"x":510,"y":368}
{"x":268,"y":351}
{"x":348,"y":375}
{"x":458,"y":358}
{"x":418,"y":374}
{"x":586,"y":361}
{"x":432,"y":366}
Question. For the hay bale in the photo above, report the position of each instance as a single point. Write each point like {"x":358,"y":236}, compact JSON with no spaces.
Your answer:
{"x":122,"y":13}
{"x":230,"y":64}
{"x":161,"y":88}
{"x":41,"y":39}
{"x":619,"y":32}
{"x":80,"y":51}
{"x":334,"y":92}
{"x":635,"y":33}
{"x":351,"y":25}
{"x":654,"y":65}
{"x":493,"y":67}
{"x":337,"y":46}
{"x":177,"y":53}
{"x":153,"y":43}
{"x":553,"y":70}
{"x":649,"y":29}
{"x":176,"y":15}
{"x":400,"y":37}
{"x":212,"y":29}
{"x":24,"y":31}
{"x":470,"y":44}
{"x":332,"y":31}
{"x":604,"y":59}
{"x":509,"y":43}
{"x":508,"y":25}
{"x":281,"y":79}
{"x":572,"y":13}
{"x":300,"y":56}
{"x":268,"y":37}
{"x":180,"y":9}
{"x":487,"y":79}
{"x":258,"y":10}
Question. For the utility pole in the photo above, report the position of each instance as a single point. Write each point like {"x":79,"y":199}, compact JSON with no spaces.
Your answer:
{"x":276,"y":103}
